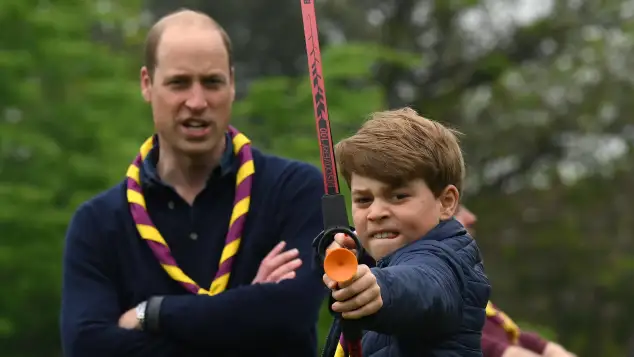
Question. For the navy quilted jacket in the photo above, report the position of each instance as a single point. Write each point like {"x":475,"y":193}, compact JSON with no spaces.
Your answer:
{"x":434,"y":294}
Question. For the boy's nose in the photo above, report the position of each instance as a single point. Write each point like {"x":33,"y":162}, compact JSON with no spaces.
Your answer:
{"x":378,"y":212}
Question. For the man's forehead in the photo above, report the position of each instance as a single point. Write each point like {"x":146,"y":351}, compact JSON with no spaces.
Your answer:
{"x":183,"y":36}
{"x":187,"y":46}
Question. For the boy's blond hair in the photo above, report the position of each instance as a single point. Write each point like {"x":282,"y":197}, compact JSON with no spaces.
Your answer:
{"x":397,"y":146}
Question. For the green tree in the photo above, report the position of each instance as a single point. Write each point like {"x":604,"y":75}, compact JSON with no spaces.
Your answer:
{"x":71,"y":118}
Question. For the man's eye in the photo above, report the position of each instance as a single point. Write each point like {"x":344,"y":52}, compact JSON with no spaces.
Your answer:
{"x":178,"y":82}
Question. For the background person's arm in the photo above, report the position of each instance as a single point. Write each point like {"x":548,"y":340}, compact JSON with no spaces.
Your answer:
{"x":532,"y":342}
{"x":492,"y":347}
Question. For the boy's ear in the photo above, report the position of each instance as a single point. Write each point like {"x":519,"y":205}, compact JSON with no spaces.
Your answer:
{"x":449,"y":199}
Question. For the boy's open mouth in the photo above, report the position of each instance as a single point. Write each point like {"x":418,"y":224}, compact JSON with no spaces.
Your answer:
{"x":385,"y":235}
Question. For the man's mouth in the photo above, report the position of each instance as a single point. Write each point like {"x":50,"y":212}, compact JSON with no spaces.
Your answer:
{"x":195,"y":124}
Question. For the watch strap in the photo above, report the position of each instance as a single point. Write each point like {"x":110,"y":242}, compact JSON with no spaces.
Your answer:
{"x":152,"y":312}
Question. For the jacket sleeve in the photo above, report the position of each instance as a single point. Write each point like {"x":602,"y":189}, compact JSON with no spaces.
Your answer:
{"x":89,"y":309}
{"x":422,"y":293}
{"x":261,"y":312}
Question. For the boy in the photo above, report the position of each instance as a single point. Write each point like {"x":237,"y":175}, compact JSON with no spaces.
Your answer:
{"x":428,"y":293}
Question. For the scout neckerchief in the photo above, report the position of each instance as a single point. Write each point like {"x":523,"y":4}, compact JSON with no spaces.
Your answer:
{"x":340,"y":352}
{"x":512,"y":330}
{"x":148,"y":231}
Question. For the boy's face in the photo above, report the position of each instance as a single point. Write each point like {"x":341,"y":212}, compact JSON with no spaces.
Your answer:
{"x":387,"y":218}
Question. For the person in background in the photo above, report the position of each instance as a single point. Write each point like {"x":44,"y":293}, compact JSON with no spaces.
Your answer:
{"x":204,"y":247}
{"x":501,"y":337}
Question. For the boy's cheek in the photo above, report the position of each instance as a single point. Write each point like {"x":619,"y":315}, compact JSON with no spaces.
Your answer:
{"x":364,"y":241}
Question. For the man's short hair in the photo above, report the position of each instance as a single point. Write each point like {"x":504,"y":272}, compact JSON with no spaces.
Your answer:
{"x":153,"y":37}
{"x":397,"y":146}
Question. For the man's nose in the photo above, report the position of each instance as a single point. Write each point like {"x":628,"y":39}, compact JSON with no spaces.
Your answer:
{"x":197,"y":100}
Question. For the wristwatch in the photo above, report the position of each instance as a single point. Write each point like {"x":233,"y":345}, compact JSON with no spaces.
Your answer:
{"x":140,"y":313}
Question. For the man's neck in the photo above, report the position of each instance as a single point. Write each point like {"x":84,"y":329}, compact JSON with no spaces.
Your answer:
{"x":187,"y":174}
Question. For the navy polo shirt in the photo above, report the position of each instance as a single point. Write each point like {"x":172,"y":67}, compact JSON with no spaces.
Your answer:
{"x":108,"y":269}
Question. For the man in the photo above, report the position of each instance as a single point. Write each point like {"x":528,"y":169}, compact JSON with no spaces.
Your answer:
{"x":501,"y":337}
{"x":185,"y":256}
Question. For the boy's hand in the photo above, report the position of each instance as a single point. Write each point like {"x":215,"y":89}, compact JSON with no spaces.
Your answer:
{"x":343,"y":241}
{"x":358,"y":297}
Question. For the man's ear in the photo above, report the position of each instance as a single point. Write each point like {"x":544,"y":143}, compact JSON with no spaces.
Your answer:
{"x":449,"y":199}
{"x":233,"y":83}
{"x":146,"y":84}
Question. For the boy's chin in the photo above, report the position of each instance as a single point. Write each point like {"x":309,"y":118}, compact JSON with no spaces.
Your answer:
{"x":380,"y":248}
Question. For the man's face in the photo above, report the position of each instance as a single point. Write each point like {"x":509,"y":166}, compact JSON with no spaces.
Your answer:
{"x":192,"y":91}
{"x":388,"y":218}
{"x":467,"y":218}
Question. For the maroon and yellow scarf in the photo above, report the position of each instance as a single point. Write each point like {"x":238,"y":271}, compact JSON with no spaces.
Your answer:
{"x":148,"y":231}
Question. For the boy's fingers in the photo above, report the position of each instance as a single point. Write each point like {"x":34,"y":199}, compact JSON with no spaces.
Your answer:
{"x":357,"y":302}
{"x":362,"y":270}
{"x":348,"y":291}
{"x":347,"y":283}
{"x":331,"y":284}
{"x":366,"y":310}
{"x":345,"y":241}
{"x":334,"y":245}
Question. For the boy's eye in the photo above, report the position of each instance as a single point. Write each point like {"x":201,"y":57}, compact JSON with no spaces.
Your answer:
{"x":361,"y":200}
{"x":401,"y":196}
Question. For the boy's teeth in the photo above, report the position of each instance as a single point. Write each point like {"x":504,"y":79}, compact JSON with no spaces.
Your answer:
{"x":384,"y":235}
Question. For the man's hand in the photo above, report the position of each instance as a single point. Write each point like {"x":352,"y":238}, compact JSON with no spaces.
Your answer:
{"x":516,"y":351}
{"x":554,"y":350}
{"x":358,"y":297}
{"x":278,"y":266}
{"x":129,"y":321}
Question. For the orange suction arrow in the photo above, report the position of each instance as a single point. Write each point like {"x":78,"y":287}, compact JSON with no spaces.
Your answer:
{"x":340,"y":264}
